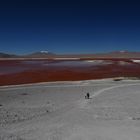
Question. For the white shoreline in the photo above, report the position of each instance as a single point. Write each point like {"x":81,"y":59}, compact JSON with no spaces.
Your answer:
{"x":70,"y":82}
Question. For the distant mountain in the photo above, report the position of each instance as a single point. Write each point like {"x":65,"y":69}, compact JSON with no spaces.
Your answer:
{"x":41,"y":54}
{"x":119,"y":54}
{"x":46,"y":54}
{"x":5,"y":55}
{"x":115,"y":54}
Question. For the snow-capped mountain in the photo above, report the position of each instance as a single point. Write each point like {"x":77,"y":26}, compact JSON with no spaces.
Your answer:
{"x":46,"y":52}
{"x":40,"y":54}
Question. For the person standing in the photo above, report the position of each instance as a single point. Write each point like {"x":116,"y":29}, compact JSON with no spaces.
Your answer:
{"x":88,"y":95}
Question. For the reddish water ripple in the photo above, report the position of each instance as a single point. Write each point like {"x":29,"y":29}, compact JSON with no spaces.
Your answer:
{"x":33,"y":71}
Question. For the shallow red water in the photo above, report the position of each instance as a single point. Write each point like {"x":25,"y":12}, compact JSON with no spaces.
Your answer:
{"x":32,"y":71}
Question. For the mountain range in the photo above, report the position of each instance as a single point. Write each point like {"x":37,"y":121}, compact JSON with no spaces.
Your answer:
{"x":46,"y":54}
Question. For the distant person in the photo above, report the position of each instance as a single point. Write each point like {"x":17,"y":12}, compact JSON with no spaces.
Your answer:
{"x":87,"y":96}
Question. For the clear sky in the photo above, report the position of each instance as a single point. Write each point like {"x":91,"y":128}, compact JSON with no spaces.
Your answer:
{"x":69,"y":26}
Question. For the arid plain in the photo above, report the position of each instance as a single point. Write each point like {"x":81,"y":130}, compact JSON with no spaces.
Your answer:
{"x":59,"y":111}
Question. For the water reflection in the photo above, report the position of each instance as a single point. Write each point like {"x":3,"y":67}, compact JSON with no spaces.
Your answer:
{"x":11,"y":69}
{"x":80,"y":63}
{"x":22,"y":65}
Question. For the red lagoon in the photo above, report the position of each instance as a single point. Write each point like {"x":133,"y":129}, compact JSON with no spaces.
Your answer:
{"x":14,"y":72}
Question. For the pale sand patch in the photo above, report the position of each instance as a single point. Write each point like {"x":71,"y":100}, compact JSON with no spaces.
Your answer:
{"x":112,"y":113}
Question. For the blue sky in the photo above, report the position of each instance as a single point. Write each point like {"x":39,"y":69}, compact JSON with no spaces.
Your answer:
{"x":69,"y":26}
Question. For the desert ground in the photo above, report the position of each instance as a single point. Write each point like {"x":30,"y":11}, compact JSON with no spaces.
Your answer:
{"x":59,"y":111}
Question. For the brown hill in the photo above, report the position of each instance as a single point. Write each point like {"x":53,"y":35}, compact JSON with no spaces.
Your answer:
{"x":5,"y":55}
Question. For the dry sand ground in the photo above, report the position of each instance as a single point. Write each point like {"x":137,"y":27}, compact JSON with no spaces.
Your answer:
{"x":58,"y":111}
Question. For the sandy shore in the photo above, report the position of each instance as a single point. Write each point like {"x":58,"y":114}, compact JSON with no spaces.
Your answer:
{"x":58,"y":111}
